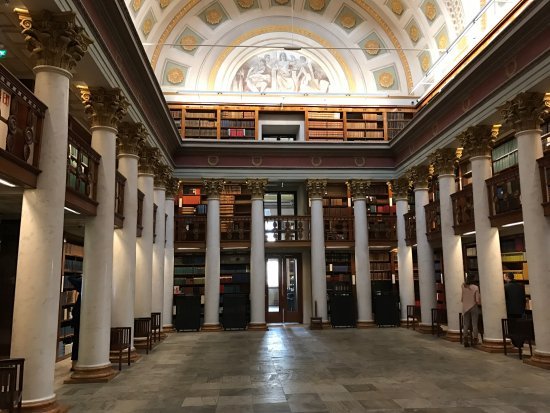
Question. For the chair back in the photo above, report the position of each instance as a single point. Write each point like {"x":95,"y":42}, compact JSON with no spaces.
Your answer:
{"x":11,"y":383}
{"x":120,"y":337}
{"x":155,"y":320}
{"x":142,"y":327}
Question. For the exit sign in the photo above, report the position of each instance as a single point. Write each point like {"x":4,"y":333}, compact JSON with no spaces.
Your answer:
{"x":3,"y":53}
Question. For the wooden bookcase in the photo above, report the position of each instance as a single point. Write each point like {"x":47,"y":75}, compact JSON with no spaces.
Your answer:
{"x":514,"y":261}
{"x":238,"y":124}
{"x":362,"y":126}
{"x":396,"y":121}
{"x":200,"y":123}
{"x":380,"y":204}
{"x":189,"y":275}
{"x":338,"y":272}
{"x":324,"y":124}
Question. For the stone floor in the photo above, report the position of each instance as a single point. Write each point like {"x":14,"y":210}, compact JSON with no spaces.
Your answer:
{"x":293,"y":369}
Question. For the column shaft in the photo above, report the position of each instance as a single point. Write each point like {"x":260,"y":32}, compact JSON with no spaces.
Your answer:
{"x":318,"y":260}
{"x":158,"y":253}
{"x":212,"y":265}
{"x":404,"y":260}
{"x":362,"y":262}
{"x":168,"y":264}
{"x":144,"y":250}
{"x":257,"y":263}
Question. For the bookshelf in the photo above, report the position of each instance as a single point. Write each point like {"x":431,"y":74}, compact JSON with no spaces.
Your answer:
{"x":189,"y":275}
{"x":397,"y":121}
{"x":192,"y":201}
{"x":238,"y":124}
{"x":338,"y":272}
{"x":505,"y":155}
{"x":234,"y":273}
{"x":361,"y":126}
{"x":514,"y":261}
{"x":441,"y":301}
{"x":177,"y":116}
{"x":324,"y":125}
{"x":470,"y":256}
{"x":380,"y":202}
{"x":200,"y":123}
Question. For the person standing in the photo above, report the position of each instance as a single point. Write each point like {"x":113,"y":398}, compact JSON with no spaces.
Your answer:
{"x":471,"y":300}
{"x":515,"y":297}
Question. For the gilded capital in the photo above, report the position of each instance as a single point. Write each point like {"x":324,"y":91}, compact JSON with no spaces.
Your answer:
{"x":257,"y":187}
{"x":172,"y":187}
{"x":400,"y":188}
{"x":162,"y":174}
{"x":54,"y":39}
{"x":477,"y":140}
{"x":147,"y":159}
{"x":358,"y":188}
{"x":213,"y":187}
{"x":525,"y":111}
{"x":420,"y":176}
{"x":130,"y":137}
{"x":444,"y":161}
{"x":105,"y":107}
{"x":316,"y":188}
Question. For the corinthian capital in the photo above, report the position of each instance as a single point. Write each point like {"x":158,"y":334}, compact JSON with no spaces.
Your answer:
{"x":162,"y":174}
{"x":400,"y":188}
{"x":147,"y":158}
{"x":53,"y":38}
{"x":257,"y":187}
{"x":477,"y":140}
{"x":130,"y":137}
{"x":444,"y":161}
{"x":213,"y":187}
{"x":358,"y":188}
{"x":525,"y":111}
{"x":420,"y":176}
{"x":316,"y":188}
{"x":105,"y":107}
{"x":172,"y":187}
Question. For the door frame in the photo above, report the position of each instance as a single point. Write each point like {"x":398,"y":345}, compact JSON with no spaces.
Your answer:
{"x":280,"y":317}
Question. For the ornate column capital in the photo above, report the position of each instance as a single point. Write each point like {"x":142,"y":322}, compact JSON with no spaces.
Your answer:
{"x":316,"y":188}
{"x":400,"y":188}
{"x":147,"y":159}
{"x":53,"y":38}
{"x":477,"y":140}
{"x":130,"y":137}
{"x":172,"y":187}
{"x":213,"y":187}
{"x":525,"y":111}
{"x":105,"y":107}
{"x":358,"y":187}
{"x":444,"y":161}
{"x":420,"y":176}
{"x":162,"y":174}
{"x":257,"y":187}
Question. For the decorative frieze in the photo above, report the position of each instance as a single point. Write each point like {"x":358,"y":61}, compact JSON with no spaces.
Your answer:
{"x":400,"y":188}
{"x":257,"y":187}
{"x":444,"y":161}
{"x":525,"y":111}
{"x":213,"y":187}
{"x":359,"y":188}
{"x":130,"y":137}
{"x":477,"y":140}
{"x":420,"y":176}
{"x":316,"y":188}
{"x":147,"y":159}
{"x":54,"y":39}
{"x":105,"y":107}
{"x":172,"y":187}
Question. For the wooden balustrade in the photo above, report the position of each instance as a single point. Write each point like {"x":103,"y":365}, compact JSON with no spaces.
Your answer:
{"x":382,"y":228}
{"x":544,"y":167}
{"x":119,"y":200}
{"x":190,"y":228}
{"x":339,"y":228}
{"x":463,"y":210}
{"x":410,"y":228}
{"x":287,"y":228}
{"x":139,"y":223}
{"x":433,"y":221}
{"x":235,"y":228}
{"x":504,"y":194}
{"x":21,"y":119}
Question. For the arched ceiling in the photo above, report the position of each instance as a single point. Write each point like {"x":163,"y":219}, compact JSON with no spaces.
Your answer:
{"x":351,"y":48}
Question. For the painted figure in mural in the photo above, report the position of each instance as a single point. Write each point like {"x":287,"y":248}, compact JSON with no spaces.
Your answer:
{"x":258,"y":78}
{"x":285,"y":81}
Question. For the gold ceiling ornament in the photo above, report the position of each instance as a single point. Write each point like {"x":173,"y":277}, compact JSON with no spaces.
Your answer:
{"x":245,"y":4}
{"x":443,"y":41}
{"x":175,"y":76}
{"x":213,"y":16}
{"x":164,"y":3}
{"x":372,"y":47}
{"x":348,"y":21}
{"x":136,"y":4}
{"x":462,"y":44}
{"x":425,"y":62}
{"x":386,"y":80}
{"x":147,"y":26}
{"x":317,"y":5}
{"x":188,"y":42}
{"x":396,"y":7}
{"x":282,"y":1}
{"x":414,"y":33}
{"x":430,"y":10}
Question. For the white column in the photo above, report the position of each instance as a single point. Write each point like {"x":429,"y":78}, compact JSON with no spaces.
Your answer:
{"x":212,"y":260}
{"x":169,"y":257}
{"x":158,"y":247}
{"x":404,"y":260}
{"x":316,"y":189}
{"x":257,"y":255}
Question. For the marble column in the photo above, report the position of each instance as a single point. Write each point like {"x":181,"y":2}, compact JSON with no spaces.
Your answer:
{"x":130,"y":137}
{"x":316,"y":189}
{"x":162,"y":172}
{"x":105,"y":107}
{"x":144,"y":244}
{"x":213,"y":189}
{"x":424,"y":252}
{"x":400,"y":189}
{"x":524,"y":113}
{"x":444,"y":161}
{"x":172,"y":185}
{"x":477,"y":142}
{"x":257,"y":255}
{"x":57,"y":44}
{"x":359,"y":189}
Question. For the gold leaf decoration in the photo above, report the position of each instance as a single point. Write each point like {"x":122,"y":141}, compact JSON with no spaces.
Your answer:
{"x":425,"y":62}
{"x":147,"y":26}
{"x":175,"y":76}
{"x":188,"y":43}
{"x":396,"y":7}
{"x":213,"y":16}
{"x":443,"y":41}
{"x":164,"y":3}
{"x":386,"y":80}
{"x":430,"y":10}
{"x":136,"y":4}
{"x":282,"y":1}
{"x":317,"y":5}
{"x":372,"y":47}
{"x":348,"y":21}
{"x":245,"y":4}
{"x":462,"y":44}
{"x":414,"y":33}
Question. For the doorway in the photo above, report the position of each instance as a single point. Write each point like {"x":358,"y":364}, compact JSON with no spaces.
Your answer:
{"x":283,"y":288}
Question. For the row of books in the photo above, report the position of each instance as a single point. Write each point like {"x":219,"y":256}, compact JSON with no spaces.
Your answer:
{"x":237,"y":115}
{"x":176,"y":113}
{"x":189,"y":259}
{"x":211,"y":133}
{"x":324,"y":115}
{"x":238,"y":133}
{"x":364,"y":125}
{"x":319,"y":133}
{"x":339,"y":278}
{"x":380,"y":266}
{"x":200,"y":123}
{"x":68,"y":297}
{"x":238,"y":124}
{"x":365,"y":135}
{"x":324,"y":124}
{"x":73,"y":264}
{"x":188,"y":270}
{"x":200,"y":115}
{"x":397,"y":124}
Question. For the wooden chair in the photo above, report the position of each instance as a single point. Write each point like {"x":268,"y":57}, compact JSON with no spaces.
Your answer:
{"x":518,"y":330}
{"x":142,"y":329}
{"x":155,"y":326}
{"x":413,"y":314}
{"x":11,"y":384}
{"x":120,"y":341}
{"x":438,"y":318}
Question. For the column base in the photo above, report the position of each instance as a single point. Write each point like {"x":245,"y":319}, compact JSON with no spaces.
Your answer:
{"x":326,"y":324}
{"x":92,"y":375}
{"x":453,"y":336}
{"x":424,"y":328}
{"x":50,"y":406}
{"x":168,"y":329}
{"x":211,"y":327}
{"x":366,"y":324}
{"x":141,"y":344}
{"x":538,"y":360}
{"x":257,"y":327}
{"x":491,"y":346}
{"x":134,"y":356}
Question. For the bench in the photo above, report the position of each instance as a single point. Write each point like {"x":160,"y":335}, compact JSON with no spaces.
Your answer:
{"x":11,"y":384}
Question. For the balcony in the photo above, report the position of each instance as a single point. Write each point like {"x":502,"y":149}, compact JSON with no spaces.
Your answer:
{"x":382,"y":230}
{"x":410,"y":228}
{"x":433,"y":221}
{"x":139,"y":223}
{"x":21,"y":119}
{"x":463,"y":210}
{"x":119,"y":200}
{"x":190,"y":228}
{"x":504,"y":194}
{"x":287,"y":228}
{"x":339,"y":229}
{"x":544,"y":167}
{"x":235,"y":229}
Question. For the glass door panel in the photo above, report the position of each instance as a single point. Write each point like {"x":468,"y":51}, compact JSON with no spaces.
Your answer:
{"x":273,"y":286}
{"x":283,"y":289}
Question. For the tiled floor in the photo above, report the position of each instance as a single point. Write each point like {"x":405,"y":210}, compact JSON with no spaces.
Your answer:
{"x":293,"y":369}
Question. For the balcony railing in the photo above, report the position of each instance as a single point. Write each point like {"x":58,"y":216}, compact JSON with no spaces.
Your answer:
{"x":544,"y":167}
{"x":21,"y":119}
{"x":410,"y":228}
{"x":139,"y":223}
{"x":504,"y":194}
{"x":382,"y":228}
{"x":119,"y":200}
{"x":287,"y":228}
{"x":190,"y":228}
{"x":339,"y":229}
{"x":463,"y":210}
{"x":433,"y":221}
{"x":235,"y":228}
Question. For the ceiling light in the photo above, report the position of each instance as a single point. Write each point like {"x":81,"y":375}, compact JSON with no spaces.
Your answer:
{"x":4,"y":182}
{"x":469,"y":233}
{"x":72,"y":210}
{"x":513,"y":224}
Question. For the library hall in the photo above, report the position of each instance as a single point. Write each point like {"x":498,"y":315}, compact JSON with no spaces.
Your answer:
{"x":275,"y":206}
